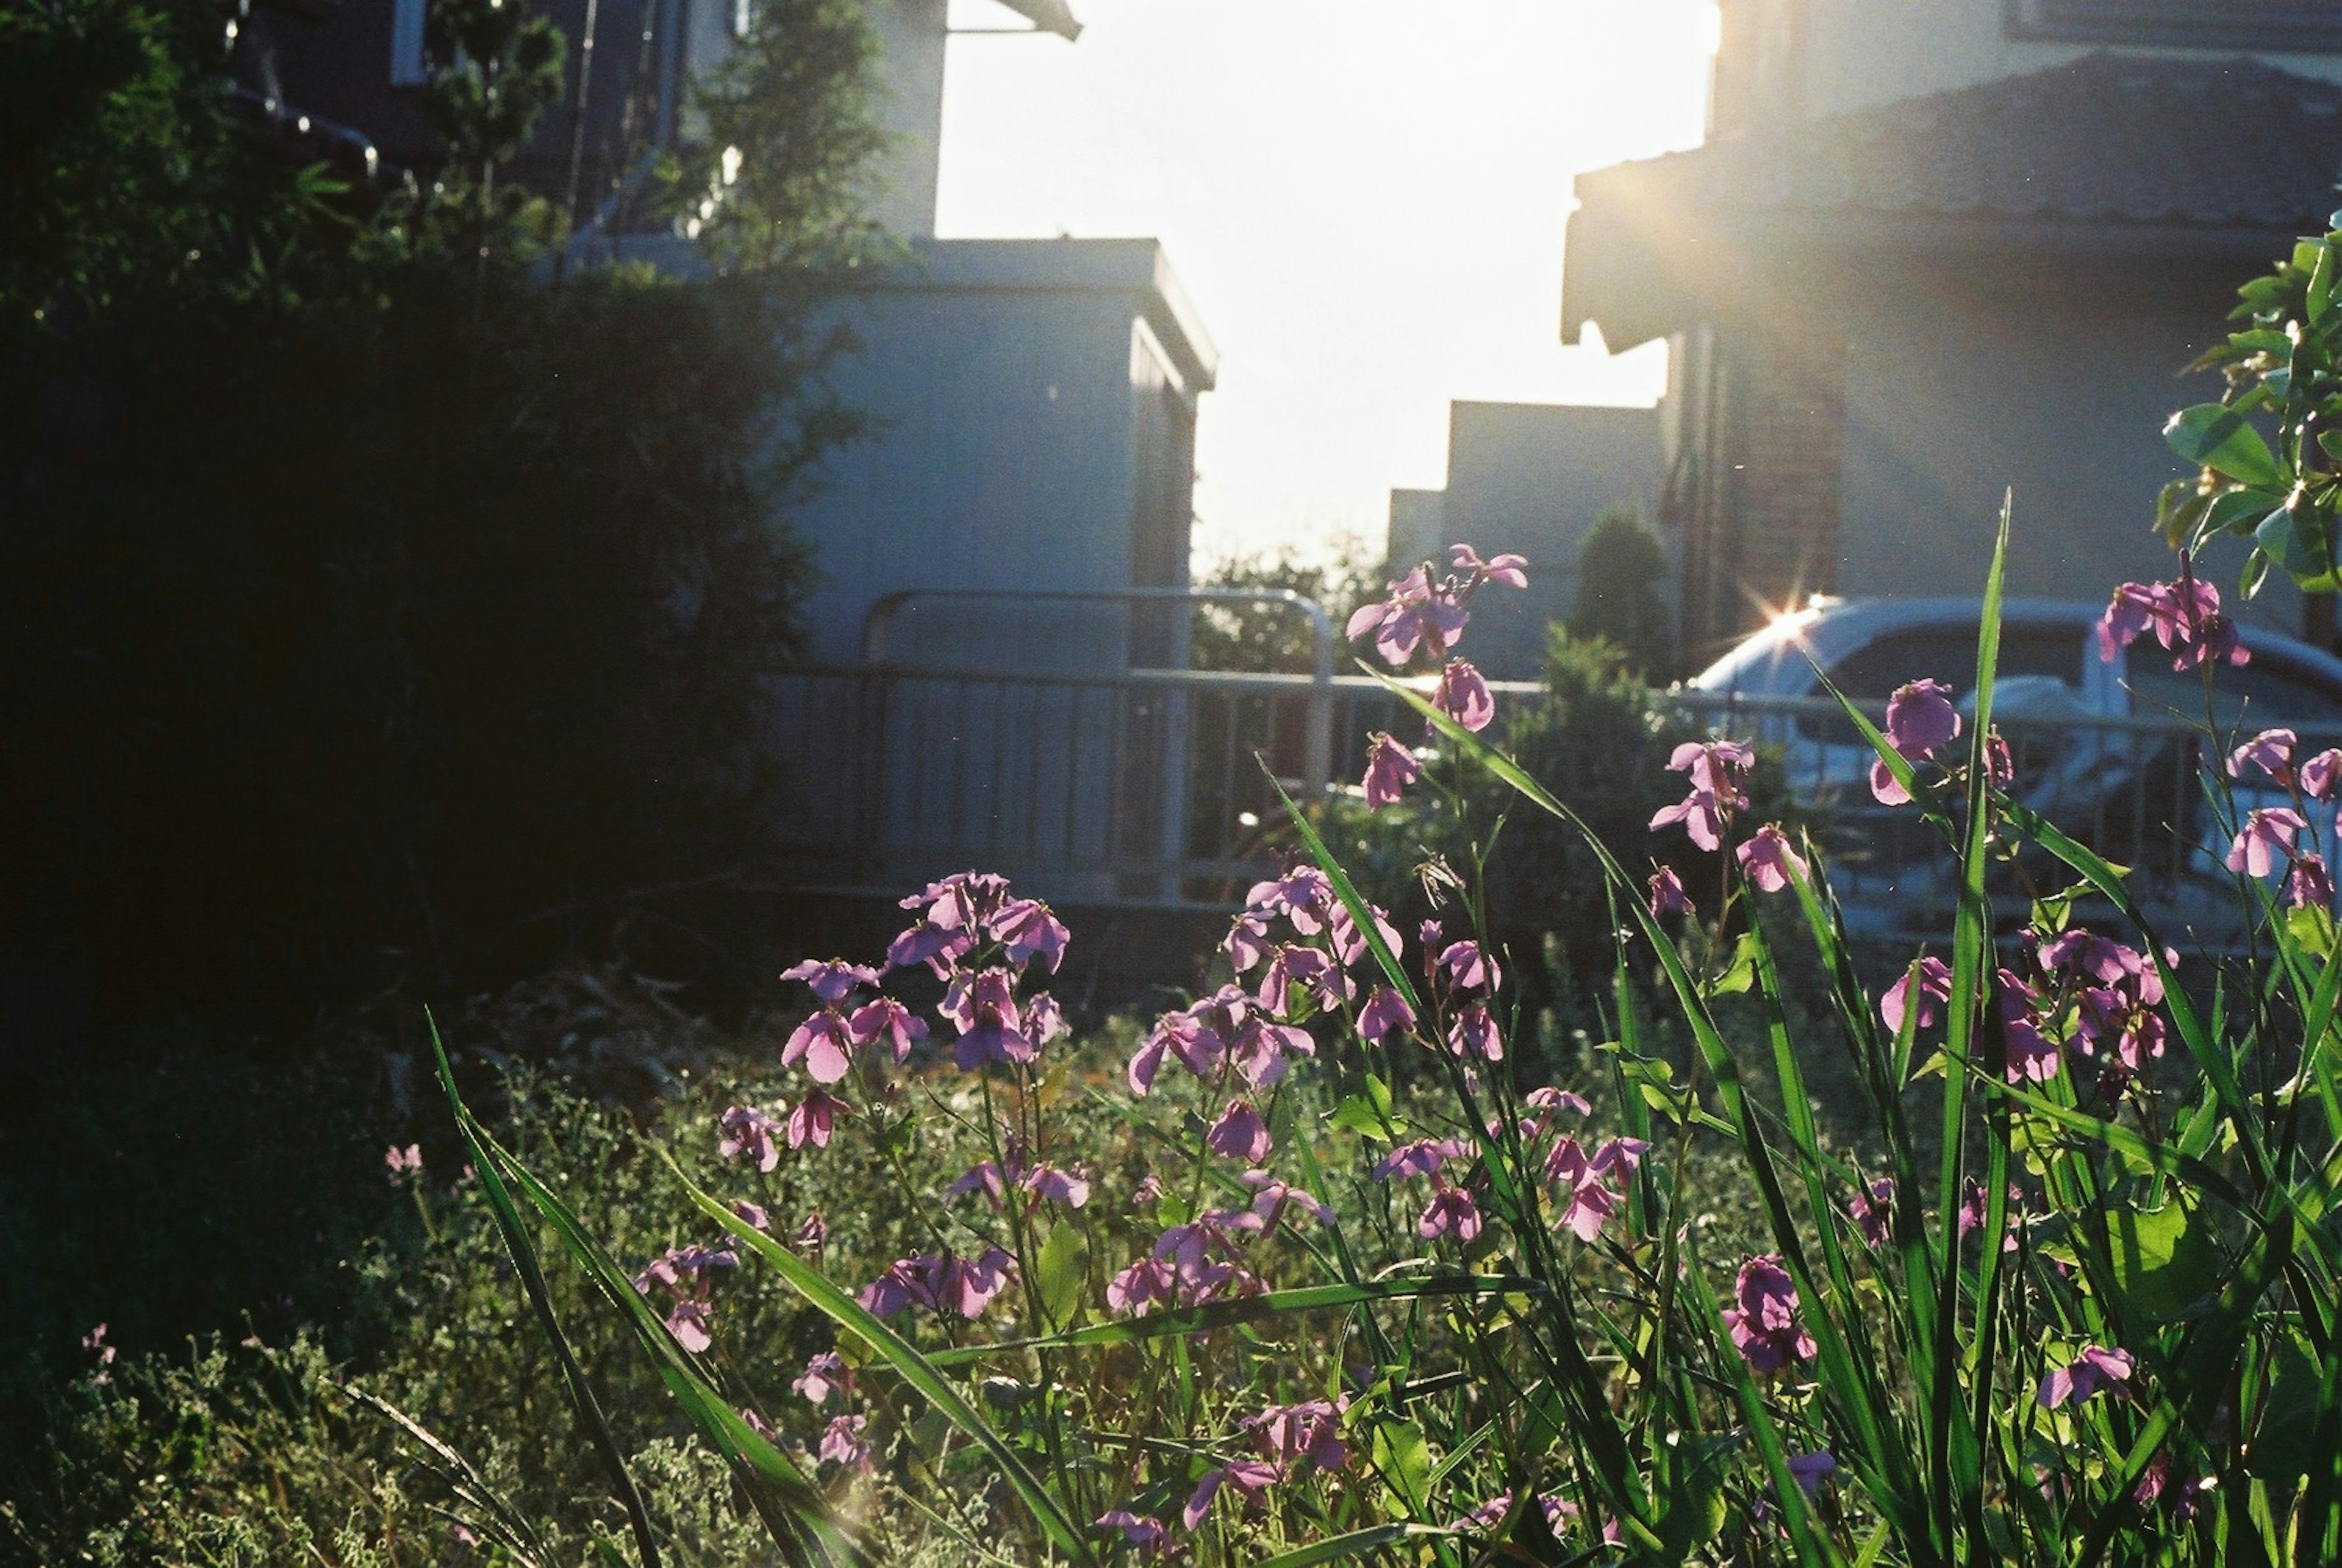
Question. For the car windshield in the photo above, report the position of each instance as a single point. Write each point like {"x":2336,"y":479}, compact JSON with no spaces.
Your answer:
{"x":2271,"y":690}
{"x":1871,"y":673}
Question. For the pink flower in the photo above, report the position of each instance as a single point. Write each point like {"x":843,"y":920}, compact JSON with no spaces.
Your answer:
{"x":2184,"y":616}
{"x":403,"y":1163}
{"x":825,"y":1044}
{"x":1137,"y":1288}
{"x":748,"y":1131}
{"x":752,"y":1214}
{"x":1768,"y":860}
{"x":1508,"y":569}
{"x":1463,"y":696}
{"x":811,"y":1122}
{"x":1451,"y":1212}
{"x":2319,"y":773}
{"x":1308,"y":1433}
{"x":2309,"y":885}
{"x":1262,"y":1047}
{"x":905,"y":1284}
{"x":1350,"y":945}
{"x":1386,"y":1014}
{"x":1717,"y":767}
{"x":832,"y":981}
{"x":1935,"y":985}
{"x":1667,"y":895}
{"x":1763,"y":1318}
{"x":888,"y":1019}
{"x":1052,"y":1185}
{"x":2094,"y":1369}
{"x":1414,"y":615}
{"x":824,"y":1374}
{"x":2266,"y":837}
{"x":1473,"y":1034}
{"x":1468,"y":968}
{"x":1920,"y":718}
{"x":984,"y":1011}
{"x":1025,"y":930}
{"x":1872,"y":1211}
{"x":967,"y":1286}
{"x":1142,"y":1534}
{"x":1421,"y":1158}
{"x":685,"y":1271}
{"x":1249,"y":1477}
{"x":2271,"y":751}
{"x":983,"y":1177}
{"x":1973,"y":1211}
{"x":1239,"y":1134}
{"x":1390,"y":768}
{"x":843,"y":1443}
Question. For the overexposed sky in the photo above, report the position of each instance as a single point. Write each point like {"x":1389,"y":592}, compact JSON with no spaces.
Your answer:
{"x":1363,"y":198}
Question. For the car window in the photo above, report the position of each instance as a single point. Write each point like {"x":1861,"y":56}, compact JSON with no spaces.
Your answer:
{"x":1946,"y":653}
{"x":2270,"y":690}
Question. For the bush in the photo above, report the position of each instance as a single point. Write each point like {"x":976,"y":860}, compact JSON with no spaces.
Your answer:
{"x":1321,"y":1314}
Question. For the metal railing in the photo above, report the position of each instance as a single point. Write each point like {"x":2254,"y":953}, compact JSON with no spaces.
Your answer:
{"x":2133,"y":789}
{"x":1134,"y":786}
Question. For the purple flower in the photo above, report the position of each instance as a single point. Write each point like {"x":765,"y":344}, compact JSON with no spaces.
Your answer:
{"x":1764,"y":1317}
{"x":2271,"y":751}
{"x":1717,"y":768}
{"x":1390,"y":768}
{"x":983,"y":1177}
{"x":814,"y":1118}
{"x":1239,"y":1134}
{"x":1421,"y":1158}
{"x":1810,"y":1470}
{"x":403,"y":1163}
{"x":1973,"y":1211}
{"x":1667,"y":895}
{"x":1768,"y":860}
{"x":1508,"y":569}
{"x":967,"y":1286}
{"x":843,"y":1443}
{"x":2319,"y":773}
{"x":886,"y":1018}
{"x":1052,"y":1185}
{"x":905,"y":1284}
{"x":2095,"y":1369}
{"x":1451,"y":1212}
{"x":1473,"y":1034}
{"x":1463,"y":696}
{"x":1026,"y":929}
{"x":752,"y":1214}
{"x":2184,"y":616}
{"x":2267,"y":836}
{"x":832,"y":981}
{"x":824,"y":1374}
{"x":825,"y":1044}
{"x":1311,"y":968}
{"x":2309,"y":885}
{"x":748,"y":1131}
{"x":1416,"y":614}
{"x":1350,"y":943}
{"x":1261,"y":1048}
{"x":983,"y":1009}
{"x":1139,"y":1287}
{"x":1386,"y":1014}
{"x":1142,"y":1534}
{"x":1920,"y":718}
{"x":684,"y":1273}
{"x":1872,"y":1211}
{"x":1249,"y":1477}
{"x":1306,"y":1434}
{"x":2033,"y":1056}
{"x":1468,"y":968}
{"x":1935,"y":985}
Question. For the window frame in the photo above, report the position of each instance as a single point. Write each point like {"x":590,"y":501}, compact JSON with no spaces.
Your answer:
{"x":2293,"y":28}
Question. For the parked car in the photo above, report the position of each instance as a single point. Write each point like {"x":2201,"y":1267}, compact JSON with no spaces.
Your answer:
{"x":2112,"y":751}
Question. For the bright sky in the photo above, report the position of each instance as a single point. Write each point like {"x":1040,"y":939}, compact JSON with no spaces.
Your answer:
{"x":1363,"y":198}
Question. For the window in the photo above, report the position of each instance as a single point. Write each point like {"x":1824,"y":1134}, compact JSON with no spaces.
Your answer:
{"x":1947,"y":654}
{"x":406,"y":63}
{"x":2299,"y":25}
{"x":2269,"y":692}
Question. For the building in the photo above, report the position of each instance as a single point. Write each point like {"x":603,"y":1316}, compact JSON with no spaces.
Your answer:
{"x":1529,"y":478}
{"x":1931,"y":254}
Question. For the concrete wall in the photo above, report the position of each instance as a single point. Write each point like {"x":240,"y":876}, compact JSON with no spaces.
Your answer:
{"x":1858,"y":53}
{"x":1532,"y":478}
{"x":1957,"y":394}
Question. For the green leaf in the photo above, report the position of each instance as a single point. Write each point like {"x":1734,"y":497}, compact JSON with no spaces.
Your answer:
{"x":1354,"y":1544}
{"x":2212,"y":436}
{"x":1063,"y":1264}
{"x":2163,"y":1258}
{"x":1739,"y":975}
{"x":1404,"y":1461}
{"x":1368,"y":1111}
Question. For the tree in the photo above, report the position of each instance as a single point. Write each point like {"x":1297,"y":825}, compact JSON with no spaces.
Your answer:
{"x":1621,"y":564}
